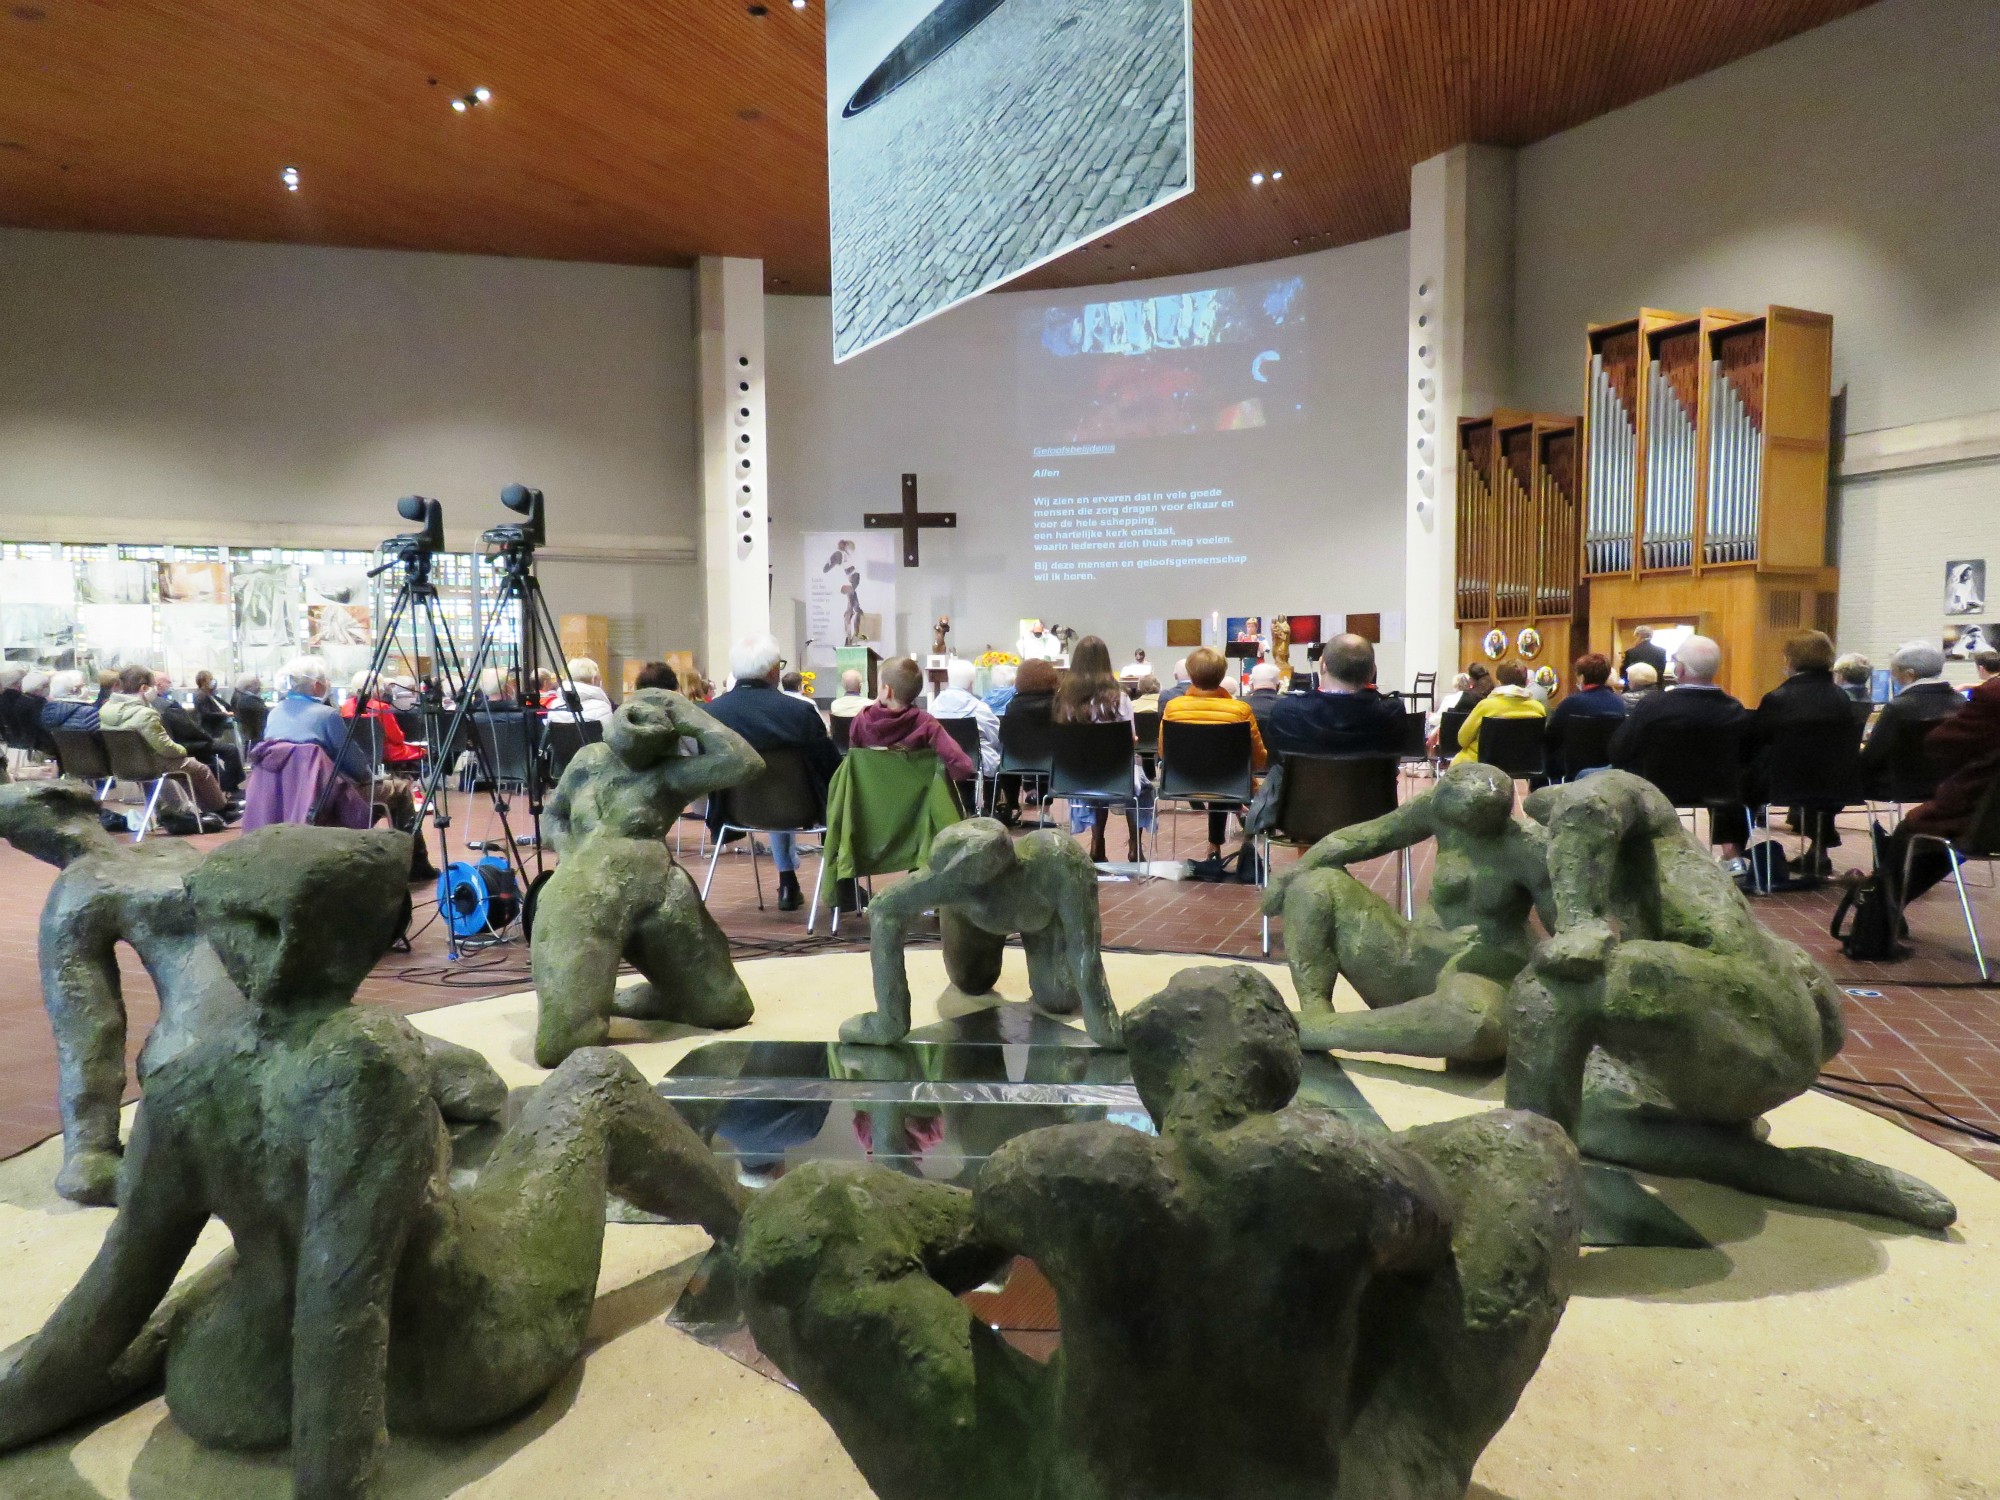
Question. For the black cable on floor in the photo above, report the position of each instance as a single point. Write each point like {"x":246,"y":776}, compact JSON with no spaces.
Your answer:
{"x":1943,"y":1119}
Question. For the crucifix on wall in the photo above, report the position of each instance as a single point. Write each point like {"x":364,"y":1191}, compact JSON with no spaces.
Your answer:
{"x":911,"y":521}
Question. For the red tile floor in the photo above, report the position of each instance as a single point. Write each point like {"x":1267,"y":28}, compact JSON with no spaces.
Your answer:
{"x":1918,"y":1028}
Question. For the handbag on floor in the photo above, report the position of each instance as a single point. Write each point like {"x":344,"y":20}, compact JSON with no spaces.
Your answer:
{"x":1871,"y":934}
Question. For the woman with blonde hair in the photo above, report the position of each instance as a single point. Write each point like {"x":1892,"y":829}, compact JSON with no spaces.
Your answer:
{"x":588,"y":679}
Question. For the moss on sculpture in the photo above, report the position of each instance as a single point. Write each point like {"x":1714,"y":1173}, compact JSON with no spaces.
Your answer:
{"x":1661,"y":1021}
{"x":618,"y":895}
{"x":1436,"y":986}
{"x":984,"y":886}
{"x":362,"y":1289}
{"x":1260,"y":1303}
{"x":112,"y":891}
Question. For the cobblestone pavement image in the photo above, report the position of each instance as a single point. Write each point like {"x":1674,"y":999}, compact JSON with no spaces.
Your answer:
{"x":1048,"y":123}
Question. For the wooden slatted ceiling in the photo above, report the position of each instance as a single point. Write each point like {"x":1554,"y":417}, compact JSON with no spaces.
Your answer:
{"x":652,"y":131}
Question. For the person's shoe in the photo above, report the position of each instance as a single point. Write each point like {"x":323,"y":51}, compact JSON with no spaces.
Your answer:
{"x":422,"y":871}
{"x":212,"y":823}
{"x":790,"y":898}
{"x":231,"y":814}
{"x":849,"y":898}
{"x":1738,"y":867}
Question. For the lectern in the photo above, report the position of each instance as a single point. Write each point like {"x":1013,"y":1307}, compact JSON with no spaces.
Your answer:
{"x":863,"y":658}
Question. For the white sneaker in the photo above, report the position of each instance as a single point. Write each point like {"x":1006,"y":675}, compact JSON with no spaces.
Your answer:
{"x":1738,"y":867}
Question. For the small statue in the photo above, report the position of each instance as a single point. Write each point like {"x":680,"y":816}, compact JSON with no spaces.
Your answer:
{"x":1699,"y":1020}
{"x":1437,"y":987}
{"x":618,"y":893}
{"x":939,"y":633}
{"x":984,"y":886}
{"x":1262,"y":1303}
{"x":1281,"y":648}
{"x":111,"y":891}
{"x":364,"y":1290}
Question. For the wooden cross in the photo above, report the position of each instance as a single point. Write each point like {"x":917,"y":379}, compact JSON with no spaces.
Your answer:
{"x":911,"y":521}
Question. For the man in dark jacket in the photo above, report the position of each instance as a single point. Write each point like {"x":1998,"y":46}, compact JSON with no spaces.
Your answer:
{"x":1642,"y":649}
{"x":1346,"y":716}
{"x":186,"y":729}
{"x":248,"y":704}
{"x":1697,"y":703}
{"x":1265,"y":690}
{"x":1808,"y":708}
{"x":1590,"y":698}
{"x":771,"y":720}
{"x":1924,"y":697}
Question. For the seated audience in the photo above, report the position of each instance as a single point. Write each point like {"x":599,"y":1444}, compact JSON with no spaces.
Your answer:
{"x":1090,"y":694}
{"x":1966,"y":748}
{"x":210,"y":711}
{"x":771,"y":719}
{"x":896,"y":721}
{"x":12,"y":704}
{"x":1180,"y":683}
{"x":225,"y":760}
{"x":851,"y":700}
{"x":1265,"y":681}
{"x":793,"y":685}
{"x":1811,"y":701}
{"x":403,"y":695}
{"x":1001,"y":692}
{"x":1590,"y":697}
{"x":248,"y":705}
{"x":35,"y":698}
{"x":1988,"y":665}
{"x":1694,"y":700}
{"x":588,"y":679}
{"x":1461,"y":686}
{"x":1346,"y":715}
{"x":1854,"y":674}
{"x":132,"y":707}
{"x":1641,"y":682}
{"x":1205,"y":702}
{"x":1923,"y":697}
{"x":398,"y":754}
{"x":70,"y":704}
{"x":107,"y":684}
{"x":1147,"y":699}
{"x":657,"y":674}
{"x":696,"y":688}
{"x":1031,"y":703}
{"x":1510,"y":699}
{"x":302,"y":716}
{"x":958,"y":701}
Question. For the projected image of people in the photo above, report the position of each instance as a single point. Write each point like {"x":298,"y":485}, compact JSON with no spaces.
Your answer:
{"x":1218,"y":359}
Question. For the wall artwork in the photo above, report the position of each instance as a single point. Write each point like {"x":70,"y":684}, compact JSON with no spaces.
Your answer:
{"x":850,"y":585}
{"x":117,"y":635}
{"x":341,"y":634}
{"x":195,"y":638}
{"x":969,"y":141}
{"x":116,"y":581}
{"x":193,"y":583}
{"x":38,"y":612}
{"x":1184,"y":633}
{"x":270,"y":616}
{"x":1305,"y":629}
{"x":1965,"y":587}
{"x":1961,"y":642}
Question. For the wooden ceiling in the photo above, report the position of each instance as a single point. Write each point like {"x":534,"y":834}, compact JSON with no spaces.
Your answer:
{"x":652,"y":131}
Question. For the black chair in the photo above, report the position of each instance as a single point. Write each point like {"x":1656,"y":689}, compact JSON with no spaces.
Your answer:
{"x":80,"y":756}
{"x":1146,"y":729}
{"x":1425,"y":688}
{"x":1027,"y":751}
{"x":563,"y":739}
{"x":1206,"y":764}
{"x":1410,"y":738}
{"x":1907,"y":775}
{"x":1449,"y":723}
{"x":1322,"y":794}
{"x":503,"y":746}
{"x":965,"y":732}
{"x":1096,"y":764}
{"x":411,"y":722}
{"x":1694,"y":766}
{"x":1981,"y":840}
{"x":785,"y":797}
{"x":1814,"y":769}
{"x":132,"y":759}
{"x":1586,"y":743}
{"x":840,"y":726}
{"x":1516,"y":746}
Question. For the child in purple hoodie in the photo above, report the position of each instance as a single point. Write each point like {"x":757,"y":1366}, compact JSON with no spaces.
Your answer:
{"x":894,"y":722}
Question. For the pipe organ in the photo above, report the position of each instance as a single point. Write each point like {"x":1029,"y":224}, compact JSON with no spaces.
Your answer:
{"x":1705,"y":460}
{"x":1518,"y":517}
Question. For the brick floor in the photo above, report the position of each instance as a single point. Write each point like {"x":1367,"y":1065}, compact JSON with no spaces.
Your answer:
{"x":1921,"y":1027}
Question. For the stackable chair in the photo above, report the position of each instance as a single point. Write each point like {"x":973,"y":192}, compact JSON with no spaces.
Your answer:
{"x":1908,"y":776}
{"x":1695,"y":767}
{"x":1515,"y":746}
{"x":1811,"y":768}
{"x":966,"y":733}
{"x":1027,"y":750}
{"x":1586,"y":744}
{"x":840,"y":726}
{"x":80,"y":756}
{"x":1322,"y":794}
{"x":1425,"y":689}
{"x":1096,"y":765}
{"x":1449,"y":723}
{"x":131,"y":759}
{"x":1204,"y":764}
{"x":563,"y":739}
{"x":1980,"y":841}
{"x":784,"y":797}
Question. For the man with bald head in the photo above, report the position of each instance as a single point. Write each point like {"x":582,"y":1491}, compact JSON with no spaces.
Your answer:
{"x":1346,"y":716}
{"x":1693,"y":702}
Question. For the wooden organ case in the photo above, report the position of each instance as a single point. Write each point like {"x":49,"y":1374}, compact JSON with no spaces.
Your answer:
{"x":1518,"y":513}
{"x":1705,"y":452}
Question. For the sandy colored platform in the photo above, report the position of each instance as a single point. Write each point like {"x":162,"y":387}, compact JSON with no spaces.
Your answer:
{"x":1810,"y":1355}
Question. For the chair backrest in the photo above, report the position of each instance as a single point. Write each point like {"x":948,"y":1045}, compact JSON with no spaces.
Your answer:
{"x":1516,"y":746}
{"x":503,"y":744}
{"x":80,"y":754}
{"x":562,"y":741}
{"x":1146,"y":725}
{"x":784,"y":795}
{"x":1410,"y":739}
{"x":1027,"y":745}
{"x":966,"y":732}
{"x":130,"y":757}
{"x":1908,"y":775}
{"x":370,"y":736}
{"x":1692,"y":764}
{"x":1322,"y":794}
{"x":1981,"y":839}
{"x":1586,"y":742}
{"x":411,"y":722}
{"x":1814,"y":764}
{"x":1205,"y":761}
{"x":1093,"y":761}
{"x":1449,"y":723}
{"x":840,"y":726}
{"x":1425,"y":688}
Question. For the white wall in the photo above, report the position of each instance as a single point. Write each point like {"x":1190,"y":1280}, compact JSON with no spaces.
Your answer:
{"x":940,"y":401}
{"x":1853,"y":170}
{"x":162,"y":389}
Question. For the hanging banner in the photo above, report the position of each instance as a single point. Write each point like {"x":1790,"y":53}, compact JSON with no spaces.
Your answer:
{"x":850,"y":592}
{"x":969,"y":141}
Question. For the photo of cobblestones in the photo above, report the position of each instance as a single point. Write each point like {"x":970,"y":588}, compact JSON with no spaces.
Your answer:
{"x":989,"y":136}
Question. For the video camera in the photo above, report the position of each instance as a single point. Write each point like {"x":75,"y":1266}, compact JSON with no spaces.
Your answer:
{"x":414,"y":548}
{"x":523,"y":500}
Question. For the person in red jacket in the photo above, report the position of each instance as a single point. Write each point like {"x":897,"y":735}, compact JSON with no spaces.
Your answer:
{"x":397,"y":752}
{"x":894,"y":722}
{"x":1966,"y":749}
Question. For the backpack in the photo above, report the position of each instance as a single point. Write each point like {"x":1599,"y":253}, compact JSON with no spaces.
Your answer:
{"x":1236,"y":865}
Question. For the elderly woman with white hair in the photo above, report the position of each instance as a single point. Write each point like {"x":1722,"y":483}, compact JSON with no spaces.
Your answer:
{"x":588,"y":678}
{"x":958,"y":701}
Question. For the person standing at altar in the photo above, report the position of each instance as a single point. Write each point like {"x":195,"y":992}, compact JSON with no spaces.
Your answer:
{"x":1036,"y":644}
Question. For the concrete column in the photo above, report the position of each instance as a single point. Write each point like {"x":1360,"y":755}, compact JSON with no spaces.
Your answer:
{"x":1461,"y":317}
{"x":735,"y":537}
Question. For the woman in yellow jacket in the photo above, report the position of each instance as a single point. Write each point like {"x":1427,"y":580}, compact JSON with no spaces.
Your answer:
{"x":1510,"y":700}
{"x":1207,"y":702}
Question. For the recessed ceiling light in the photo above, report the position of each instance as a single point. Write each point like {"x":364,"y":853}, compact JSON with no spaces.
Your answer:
{"x":290,"y":177}
{"x":458,"y":105}
{"x":481,"y":95}
{"x":798,"y":4}
{"x":1277,"y":177}
{"x":1256,"y":179}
